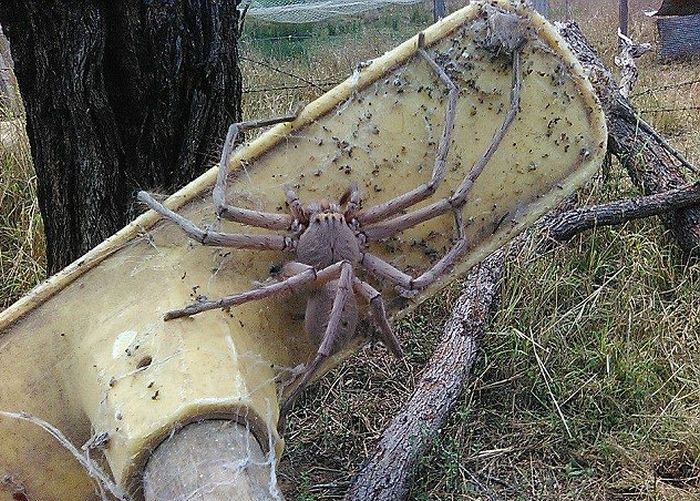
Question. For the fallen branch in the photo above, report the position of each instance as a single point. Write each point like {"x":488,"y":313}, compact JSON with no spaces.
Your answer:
{"x":386,"y":474}
{"x":568,"y":224}
{"x":647,"y":156}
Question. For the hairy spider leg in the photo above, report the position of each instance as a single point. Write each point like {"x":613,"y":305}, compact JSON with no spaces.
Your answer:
{"x":307,"y":276}
{"x":401,"y":202}
{"x":207,"y":237}
{"x":268,"y":220}
{"x":458,"y":199}
{"x":408,"y":285}
{"x":376,"y":304}
{"x":343,"y":292}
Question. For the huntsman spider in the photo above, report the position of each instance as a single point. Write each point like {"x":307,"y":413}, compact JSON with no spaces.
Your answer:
{"x":328,"y":240}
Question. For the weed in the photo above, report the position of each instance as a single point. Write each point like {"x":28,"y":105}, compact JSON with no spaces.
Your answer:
{"x":21,"y":233}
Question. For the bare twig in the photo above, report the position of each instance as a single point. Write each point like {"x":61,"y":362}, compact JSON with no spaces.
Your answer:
{"x":629,"y":51}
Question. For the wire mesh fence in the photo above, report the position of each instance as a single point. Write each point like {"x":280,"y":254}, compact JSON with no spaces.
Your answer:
{"x":297,"y":49}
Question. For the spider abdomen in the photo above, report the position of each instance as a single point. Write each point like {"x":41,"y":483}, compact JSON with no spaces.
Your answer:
{"x":327,"y":240}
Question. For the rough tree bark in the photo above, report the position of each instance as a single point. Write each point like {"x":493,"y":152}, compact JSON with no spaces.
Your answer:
{"x":629,"y":50}
{"x":651,"y":163}
{"x":570,"y":223}
{"x":119,"y":96}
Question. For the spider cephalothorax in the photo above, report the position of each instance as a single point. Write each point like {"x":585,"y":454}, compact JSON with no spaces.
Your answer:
{"x":328,"y":241}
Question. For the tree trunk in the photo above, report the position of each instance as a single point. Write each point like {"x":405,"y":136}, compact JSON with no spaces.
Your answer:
{"x":119,"y":96}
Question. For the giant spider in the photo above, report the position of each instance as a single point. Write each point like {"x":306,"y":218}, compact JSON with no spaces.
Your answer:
{"x":329,"y":239}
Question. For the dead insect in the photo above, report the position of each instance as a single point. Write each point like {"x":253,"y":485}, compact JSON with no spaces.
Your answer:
{"x":328,"y":240}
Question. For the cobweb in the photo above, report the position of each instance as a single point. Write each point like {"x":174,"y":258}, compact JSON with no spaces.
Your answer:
{"x":178,"y":470}
{"x":308,"y":11}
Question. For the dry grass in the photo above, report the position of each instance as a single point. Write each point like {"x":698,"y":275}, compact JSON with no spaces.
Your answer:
{"x":21,"y":233}
{"x":606,"y":327}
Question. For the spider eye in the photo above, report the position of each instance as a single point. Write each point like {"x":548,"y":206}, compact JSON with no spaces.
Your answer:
{"x":275,"y":269}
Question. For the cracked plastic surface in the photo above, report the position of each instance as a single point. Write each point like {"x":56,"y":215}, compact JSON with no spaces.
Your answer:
{"x":89,"y":352}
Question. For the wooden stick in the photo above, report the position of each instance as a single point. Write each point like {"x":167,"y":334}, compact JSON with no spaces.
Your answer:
{"x":211,"y":460}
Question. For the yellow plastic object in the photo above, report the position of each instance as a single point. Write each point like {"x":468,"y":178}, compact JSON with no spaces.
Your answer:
{"x":88,"y":350}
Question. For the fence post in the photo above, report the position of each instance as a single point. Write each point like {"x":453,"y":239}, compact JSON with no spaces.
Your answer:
{"x":541,"y":6}
{"x":623,"y":12}
{"x":438,"y":9}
